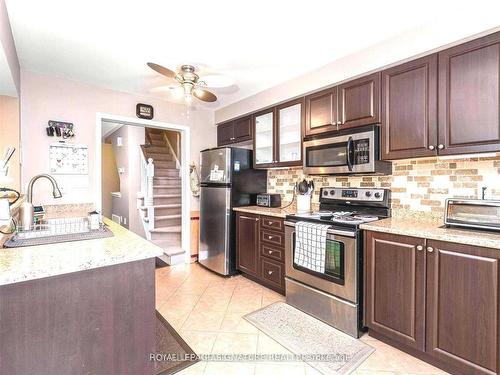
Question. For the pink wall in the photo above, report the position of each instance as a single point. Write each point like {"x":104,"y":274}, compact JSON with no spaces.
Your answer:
{"x":9,"y":48}
{"x":9,"y":135}
{"x":46,"y":98}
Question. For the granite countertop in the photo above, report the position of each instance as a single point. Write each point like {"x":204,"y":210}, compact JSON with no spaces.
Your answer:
{"x":35,"y":262}
{"x":269,"y":211}
{"x":433,"y":230}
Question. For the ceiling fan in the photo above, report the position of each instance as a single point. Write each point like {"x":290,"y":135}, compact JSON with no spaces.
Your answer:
{"x":190,"y":82}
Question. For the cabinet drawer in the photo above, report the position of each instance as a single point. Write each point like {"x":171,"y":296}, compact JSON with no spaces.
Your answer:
{"x":272,"y":252}
{"x":273,"y":238}
{"x":273,"y":223}
{"x":272,"y":272}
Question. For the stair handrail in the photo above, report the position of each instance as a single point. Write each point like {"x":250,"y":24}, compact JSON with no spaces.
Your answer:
{"x":147,"y":190}
{"x":175,"y":153}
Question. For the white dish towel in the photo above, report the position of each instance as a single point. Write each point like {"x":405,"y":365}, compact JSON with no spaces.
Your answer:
{"x":310,"y":245}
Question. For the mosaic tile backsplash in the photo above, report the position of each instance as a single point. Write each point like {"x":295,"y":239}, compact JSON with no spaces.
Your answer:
{"x":416,"y":184}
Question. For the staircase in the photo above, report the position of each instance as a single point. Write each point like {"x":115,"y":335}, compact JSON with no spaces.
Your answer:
{"x":161,"y":207}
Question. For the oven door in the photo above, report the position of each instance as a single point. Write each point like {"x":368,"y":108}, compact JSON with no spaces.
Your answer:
{"x":343,"y":154}
{"x":340,"y":277}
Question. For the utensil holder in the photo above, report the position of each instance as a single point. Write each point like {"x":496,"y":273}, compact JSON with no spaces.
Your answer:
{"x":303,"y":203}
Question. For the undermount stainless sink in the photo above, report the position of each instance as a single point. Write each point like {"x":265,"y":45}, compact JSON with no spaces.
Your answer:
{"x":49,"y":231}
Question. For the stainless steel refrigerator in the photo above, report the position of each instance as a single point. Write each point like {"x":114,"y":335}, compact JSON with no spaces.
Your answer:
{"x":227,"y":180}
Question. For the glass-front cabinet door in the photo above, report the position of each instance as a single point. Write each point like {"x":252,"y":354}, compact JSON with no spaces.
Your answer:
{"x":289,"y":133}
{"x":264,"y":138}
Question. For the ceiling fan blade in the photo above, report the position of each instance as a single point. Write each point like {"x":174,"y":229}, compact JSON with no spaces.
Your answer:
{"x":162,"y":70}
{"x":204,"y":95}
{"x":217,"y":80}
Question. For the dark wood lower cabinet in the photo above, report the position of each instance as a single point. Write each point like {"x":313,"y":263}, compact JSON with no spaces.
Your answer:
{"x":247,"y":240}
{"x":97,"y":321}
{"x":436,"y":300}
{"x":260,"y":249}
{"x":395,"y":287}
{"x":463,"y":307}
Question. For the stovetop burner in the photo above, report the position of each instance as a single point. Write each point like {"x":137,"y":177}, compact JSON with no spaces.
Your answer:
{"x":341,"y":210}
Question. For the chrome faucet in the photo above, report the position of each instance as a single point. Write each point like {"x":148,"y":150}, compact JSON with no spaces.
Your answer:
{"x":27,"y":214}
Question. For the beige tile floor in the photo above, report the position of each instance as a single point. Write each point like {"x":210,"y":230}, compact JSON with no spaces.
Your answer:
{"x":207,"y":311}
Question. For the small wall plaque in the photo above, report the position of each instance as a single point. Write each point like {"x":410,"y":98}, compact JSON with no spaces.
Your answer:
{"x":144,"y":111}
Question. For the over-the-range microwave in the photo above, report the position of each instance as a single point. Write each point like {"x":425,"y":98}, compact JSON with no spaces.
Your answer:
{"x":352,"y":151}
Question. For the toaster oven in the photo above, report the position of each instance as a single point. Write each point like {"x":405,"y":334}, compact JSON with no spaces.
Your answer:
{"x":473,"y":213}
{"x":268,"y":200}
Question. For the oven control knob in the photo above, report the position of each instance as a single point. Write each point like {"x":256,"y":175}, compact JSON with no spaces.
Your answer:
{"x":325,"y":192}
{"x":368,"y":194}
{"x":377,"y":195}
{"x":332,"y":192}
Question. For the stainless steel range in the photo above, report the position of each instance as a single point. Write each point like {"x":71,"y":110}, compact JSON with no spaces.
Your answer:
{"x":335,"y":295}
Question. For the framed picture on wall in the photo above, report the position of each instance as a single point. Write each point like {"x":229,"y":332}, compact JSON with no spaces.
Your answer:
{"x":144,"y":111}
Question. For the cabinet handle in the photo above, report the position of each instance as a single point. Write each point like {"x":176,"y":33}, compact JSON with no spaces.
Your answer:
{"x":269,"y":223}
{"x":270,"y":252}
{"x":269,"y":272}
{"x":431,"y":147}
{"x":440,"y":146}
{"x":430,"y":249}
{"x":420,"y":247}
{"x":249,"y":218}
{"x":269,"y":237}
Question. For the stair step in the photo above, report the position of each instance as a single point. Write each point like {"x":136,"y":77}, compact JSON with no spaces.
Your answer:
{"x":170,"y":248}
{"x":158,"y":157}
{"x":167,"y":220}
{"x":174,"y":229}
{"x":167,"y":190}
{"x":165,"y":164}
{"x":164,"y":217}
{"x":167,"y":182}
{"x":161,"y":179}
{"x":166,"y":199}
{"x":151,"y":149}
{"x":166,"y":172}
{"x":171,"y":234}
{"x":168,"y":209}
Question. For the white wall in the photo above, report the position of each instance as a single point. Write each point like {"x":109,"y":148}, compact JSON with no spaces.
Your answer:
{"x":391,"y":52}
{"x":45,"y":98}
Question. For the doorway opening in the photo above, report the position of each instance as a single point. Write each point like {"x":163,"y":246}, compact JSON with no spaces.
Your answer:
{"x":142,"y":175}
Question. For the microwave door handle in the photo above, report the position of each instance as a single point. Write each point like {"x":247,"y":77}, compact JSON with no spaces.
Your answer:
{"x":349,"y":153}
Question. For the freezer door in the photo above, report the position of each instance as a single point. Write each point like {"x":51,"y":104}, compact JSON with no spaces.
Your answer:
{"x":215,"y":216}
{"x":215,"y":166}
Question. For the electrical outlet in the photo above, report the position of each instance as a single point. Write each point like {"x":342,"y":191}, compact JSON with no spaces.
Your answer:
{"x":124,"y":221}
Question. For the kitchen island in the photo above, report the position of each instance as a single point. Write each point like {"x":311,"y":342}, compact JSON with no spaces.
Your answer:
{"x":85,"y":307}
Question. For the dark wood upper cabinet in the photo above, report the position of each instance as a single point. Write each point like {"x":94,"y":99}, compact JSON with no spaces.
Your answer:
{"x":289,"y":126}
{"x":469,"y":102}
{"x":247,"y":242}
{"x":409,"y":109}
{"x":463,"y":307}
{"x":225,"y":133}
{"x":395,"y":287}
{"x":359,"y":101}
{"x":277,"y":133}
{"x":243,"y":129}
{"x":321,"y":112}
{"x":235,"y":131}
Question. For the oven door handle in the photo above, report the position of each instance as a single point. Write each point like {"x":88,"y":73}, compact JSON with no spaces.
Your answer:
{"x":350,"y":153}
{"x":329,"y":231}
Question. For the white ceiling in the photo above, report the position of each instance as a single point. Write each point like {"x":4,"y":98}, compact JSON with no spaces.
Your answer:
{"x":258,"y":43}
